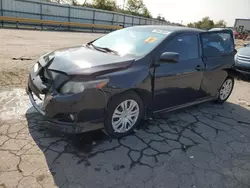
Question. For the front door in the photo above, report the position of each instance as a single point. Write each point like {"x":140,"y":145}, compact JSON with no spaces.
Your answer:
{"x":179,"y":83}
{"x":218,"y":56}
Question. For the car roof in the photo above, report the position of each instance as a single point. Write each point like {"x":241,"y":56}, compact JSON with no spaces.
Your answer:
{"x":171,"y":28}
{"x":220,"y":28}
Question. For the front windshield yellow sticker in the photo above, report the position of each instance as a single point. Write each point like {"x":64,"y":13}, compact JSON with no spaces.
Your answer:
{"x":150,"y":40}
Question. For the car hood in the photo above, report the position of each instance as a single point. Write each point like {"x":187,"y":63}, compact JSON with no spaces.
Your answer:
{"x":81,"y":60}
{"x":245,"y":51}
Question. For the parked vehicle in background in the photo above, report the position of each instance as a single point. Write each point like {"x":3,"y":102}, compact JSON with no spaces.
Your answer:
{"x":242,"y":60}
{"x":241,"y":35}
{"x":130,"y":74}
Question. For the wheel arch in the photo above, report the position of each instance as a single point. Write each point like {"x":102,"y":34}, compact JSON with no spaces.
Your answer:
{"x":231,"y":72}
{"x":145,"y":96}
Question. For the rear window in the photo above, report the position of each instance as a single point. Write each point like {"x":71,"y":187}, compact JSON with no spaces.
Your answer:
{"x":216,"y":44}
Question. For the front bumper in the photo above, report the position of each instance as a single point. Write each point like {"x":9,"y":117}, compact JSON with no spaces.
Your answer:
{"x":88,"y":108}
{"x":242,"y":69}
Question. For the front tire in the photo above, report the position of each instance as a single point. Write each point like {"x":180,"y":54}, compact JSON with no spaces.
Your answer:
{"x":123,"y":114}
{"x":225,"y":90}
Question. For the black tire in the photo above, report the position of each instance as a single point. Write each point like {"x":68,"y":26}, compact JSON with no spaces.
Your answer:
{"x":219,"y":99}
{"x":113,"y":104}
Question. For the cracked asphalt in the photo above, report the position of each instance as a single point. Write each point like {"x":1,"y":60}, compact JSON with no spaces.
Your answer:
{"x":205,"y":146}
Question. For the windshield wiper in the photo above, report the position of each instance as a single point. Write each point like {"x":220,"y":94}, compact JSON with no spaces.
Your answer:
{"x":103,"y":49}
{"x":108,"y":50}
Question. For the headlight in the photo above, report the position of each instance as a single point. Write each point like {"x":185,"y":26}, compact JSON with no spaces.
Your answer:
{"x":74,"y":87}
{"x":36,"y":67}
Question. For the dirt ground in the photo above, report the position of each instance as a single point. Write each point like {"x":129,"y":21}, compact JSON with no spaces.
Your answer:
{"x":19,"y":50}
{"x":206,"y":146}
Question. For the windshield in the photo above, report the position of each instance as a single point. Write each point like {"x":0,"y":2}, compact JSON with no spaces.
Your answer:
{"x":132,"y":41}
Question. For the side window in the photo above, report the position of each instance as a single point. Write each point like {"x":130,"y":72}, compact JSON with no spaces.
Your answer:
{"x":216,"y":44}
{"x":185,"y":45}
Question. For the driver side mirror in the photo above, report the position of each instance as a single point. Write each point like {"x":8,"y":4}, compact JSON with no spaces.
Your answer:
{"x":169,"y":57}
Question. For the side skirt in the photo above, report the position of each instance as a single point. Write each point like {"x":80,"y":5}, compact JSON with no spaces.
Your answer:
{"x":185,"y":105}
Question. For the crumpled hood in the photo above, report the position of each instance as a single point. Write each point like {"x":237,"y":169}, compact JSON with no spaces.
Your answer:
{"x":245,"y":51}
{"x":83,"y":60}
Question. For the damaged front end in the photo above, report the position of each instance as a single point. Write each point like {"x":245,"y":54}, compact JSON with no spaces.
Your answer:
{"x":65,"y":106}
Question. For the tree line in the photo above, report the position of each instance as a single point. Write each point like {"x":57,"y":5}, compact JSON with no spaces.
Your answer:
{"x":138,"y":8}
{"x":206,"y":23}
{"x":133,"y":7}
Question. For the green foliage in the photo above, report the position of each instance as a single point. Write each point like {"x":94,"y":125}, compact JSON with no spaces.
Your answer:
{"x":146,"y":13}
{"x":221,"y":23}
{"x":105,"y":4}
{"x":75,"y":3}
{"x":160,"y":18}
{"x":206,"y":23}
{"x":137,"y":8}
{"x":133,"y":7}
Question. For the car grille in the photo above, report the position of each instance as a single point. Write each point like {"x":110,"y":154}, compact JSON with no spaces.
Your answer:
{"x":44,"y":75}
{"x":243,"y":59}
{"x":46,"y":79}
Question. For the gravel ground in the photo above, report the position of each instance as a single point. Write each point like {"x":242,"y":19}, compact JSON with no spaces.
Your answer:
{"x":19,"y":50}
{"x":206,"y":146}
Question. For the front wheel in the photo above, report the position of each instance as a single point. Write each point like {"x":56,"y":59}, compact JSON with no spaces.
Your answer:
{"x":225,"y":90}
{"x":123,"y":114}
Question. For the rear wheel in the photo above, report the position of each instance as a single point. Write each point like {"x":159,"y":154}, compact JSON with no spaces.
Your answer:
{"x":225,"y":90}
{"x":123,"y":114}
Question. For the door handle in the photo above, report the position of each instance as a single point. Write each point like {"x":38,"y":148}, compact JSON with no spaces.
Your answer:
{"x":198,"y":68}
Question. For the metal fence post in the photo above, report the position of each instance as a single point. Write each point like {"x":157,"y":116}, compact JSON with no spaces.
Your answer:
{"x":41,"y":14}
{"x":113,"y":20}
{"x":69,"y":17}
{"x":132,"y":20}
{"x":124,"y":21}
{"x":1,"y":1}
{"x":93,"y":21}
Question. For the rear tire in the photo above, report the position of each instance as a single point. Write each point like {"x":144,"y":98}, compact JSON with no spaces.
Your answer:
{"x":225,"y":90}
{"x":124,"y":113}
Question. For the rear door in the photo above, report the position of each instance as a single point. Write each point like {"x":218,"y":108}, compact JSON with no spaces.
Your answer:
{"x":217,"y":55}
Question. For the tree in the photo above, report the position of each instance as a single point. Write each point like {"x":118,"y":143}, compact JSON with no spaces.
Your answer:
{"x":105,"y":4}
{"x":160,"y":18}
{"x":206,"y":23}
{"x":221,"y":23}
{"x":191,"y":25}
{"x":146,"y":13}
{"x":135,"y":6}
{"x":75,"y":3}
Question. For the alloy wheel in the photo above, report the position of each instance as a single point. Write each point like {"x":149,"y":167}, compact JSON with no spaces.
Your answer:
{"x":226,"y":89}
{"x":125,"y":116}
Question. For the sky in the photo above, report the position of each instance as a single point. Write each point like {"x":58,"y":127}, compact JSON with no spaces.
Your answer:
{"x":186,"y":11}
